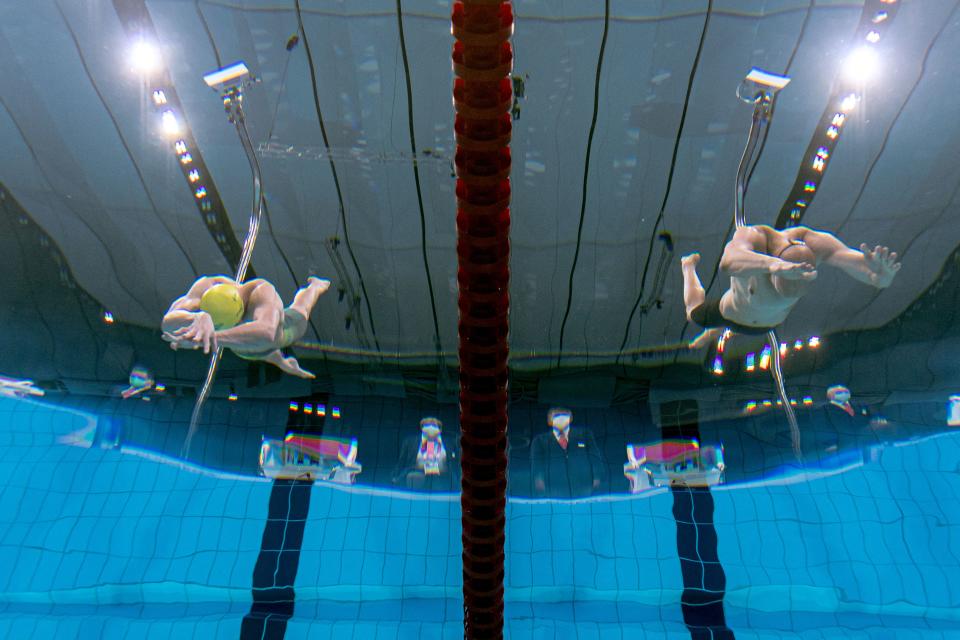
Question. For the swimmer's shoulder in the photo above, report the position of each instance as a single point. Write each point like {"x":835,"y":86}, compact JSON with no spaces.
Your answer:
{"x":259,"y":289}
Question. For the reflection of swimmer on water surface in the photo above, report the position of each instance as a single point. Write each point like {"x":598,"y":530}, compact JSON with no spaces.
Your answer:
{"x":770,"y":270}
{"x":249,"y":319}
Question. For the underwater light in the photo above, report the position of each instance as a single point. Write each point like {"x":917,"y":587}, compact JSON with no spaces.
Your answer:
{"x":765,"y":358}
{"x":860,"y":65}
{"x":159,"y":97}
{"x":108,"y":317}
{"x":873,"y":37}
{"x":847,"y":105}
{"x":718,"y":366}
{"x":814,"y":342}
{"x":171,"y":126}
{"x":880,"y":17}
{"x":336,"y":412}
{"x":186,"y":158}
{"x":232,"y":397}
{"x":294,"y":406}
{"x":783,"y":349}
{"x":193,"y":175}
{"x":751,"y":361}
{"x":145,"y":56}
{"x":160,"y":388}
{"x":201,"y":192}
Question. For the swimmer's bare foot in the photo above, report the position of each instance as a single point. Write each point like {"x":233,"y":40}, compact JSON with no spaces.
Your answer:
{"x":690,"y":261}
{"x":321,"y":283}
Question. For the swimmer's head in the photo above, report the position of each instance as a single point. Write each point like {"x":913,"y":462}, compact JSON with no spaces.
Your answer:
{"x":224,"y":304}
{"x":797,"y":252}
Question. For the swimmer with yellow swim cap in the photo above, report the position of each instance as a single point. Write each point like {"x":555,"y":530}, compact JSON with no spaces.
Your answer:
{"x":249,"y":319}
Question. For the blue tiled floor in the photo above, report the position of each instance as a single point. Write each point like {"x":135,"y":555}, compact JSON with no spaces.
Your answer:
{"x":112,"y":544}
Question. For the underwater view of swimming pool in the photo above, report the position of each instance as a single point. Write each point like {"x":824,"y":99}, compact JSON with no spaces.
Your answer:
{"x":479,"y":318}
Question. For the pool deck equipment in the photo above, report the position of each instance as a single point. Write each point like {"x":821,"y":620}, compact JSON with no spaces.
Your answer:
{"x":230,"y":82}
{"x":759,"y":88}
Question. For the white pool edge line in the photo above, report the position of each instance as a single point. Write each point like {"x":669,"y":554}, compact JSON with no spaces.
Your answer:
{"x":762,"y":598}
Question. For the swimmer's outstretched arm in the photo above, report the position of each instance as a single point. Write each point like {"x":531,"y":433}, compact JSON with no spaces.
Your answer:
{"x":185,"y":309}
{"x":877,"y":267}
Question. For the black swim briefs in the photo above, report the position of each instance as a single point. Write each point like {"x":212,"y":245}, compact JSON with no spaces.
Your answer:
{"x":708,"y":316}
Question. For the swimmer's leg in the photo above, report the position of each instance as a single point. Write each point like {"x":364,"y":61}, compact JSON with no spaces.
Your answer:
{"x":288,"y":365}
{"x":306,"y":298}
{"x":693,"y":293}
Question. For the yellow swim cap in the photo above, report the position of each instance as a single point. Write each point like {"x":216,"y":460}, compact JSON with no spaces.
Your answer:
{"x":223,"y":303}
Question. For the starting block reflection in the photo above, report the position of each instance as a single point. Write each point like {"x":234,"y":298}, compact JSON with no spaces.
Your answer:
{"x":300,"y":457}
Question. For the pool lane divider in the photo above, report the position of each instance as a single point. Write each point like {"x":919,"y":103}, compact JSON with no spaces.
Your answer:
{"x":482,"y":97}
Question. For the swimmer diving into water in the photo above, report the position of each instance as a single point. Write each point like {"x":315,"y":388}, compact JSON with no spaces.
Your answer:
{"x":770,"y":270}
{"x":249,"y":319}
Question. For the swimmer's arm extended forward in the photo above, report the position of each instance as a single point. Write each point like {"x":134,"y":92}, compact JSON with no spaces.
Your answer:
{"x":877,"y":267}
{"x":742,"y":258}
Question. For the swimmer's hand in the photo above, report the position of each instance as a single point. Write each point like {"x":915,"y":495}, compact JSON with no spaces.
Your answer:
{"x":198,"y":333}
{"x":793,"y":270}
{"x":882,"y":263}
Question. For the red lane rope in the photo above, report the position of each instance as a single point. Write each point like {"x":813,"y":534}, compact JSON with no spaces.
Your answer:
{"x":482,"y":95}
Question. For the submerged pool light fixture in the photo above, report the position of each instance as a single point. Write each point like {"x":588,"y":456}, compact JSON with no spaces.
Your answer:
{"x":717,"y":366}
{"x":171,"y":126}
{"x":144,"y":56}
{"x":848,"y":104}
{"x":765,"y":357}
{"x":861,"y":64}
